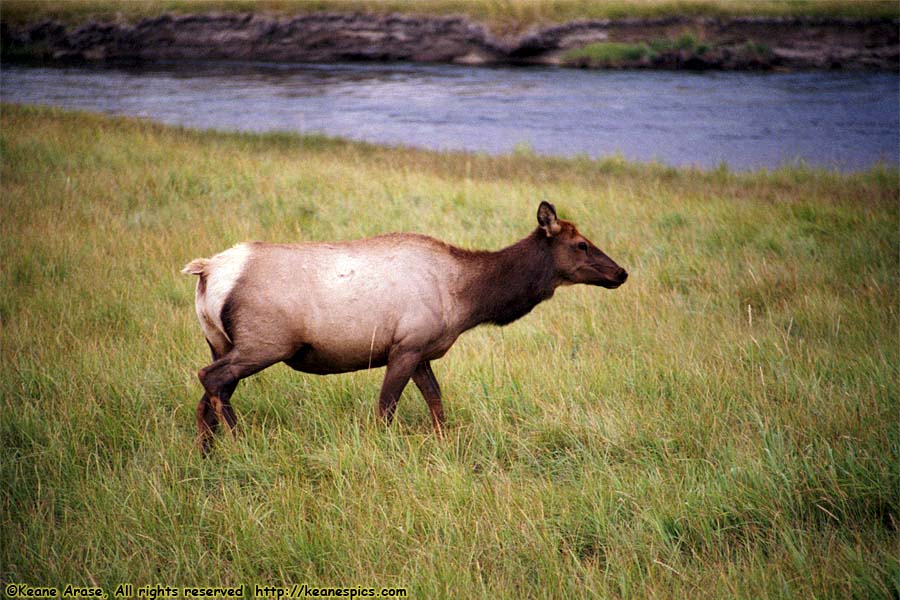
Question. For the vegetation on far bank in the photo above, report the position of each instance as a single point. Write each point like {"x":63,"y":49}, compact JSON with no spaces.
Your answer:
{"x":724,"y":425}
{"x":656,"y":52}
{"x":514,"y":15}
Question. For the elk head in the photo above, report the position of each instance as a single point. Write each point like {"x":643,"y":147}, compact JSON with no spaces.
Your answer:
{"x":576,"y":258}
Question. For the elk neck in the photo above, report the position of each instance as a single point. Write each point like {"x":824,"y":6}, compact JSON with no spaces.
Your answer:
{"x":505,"y":285}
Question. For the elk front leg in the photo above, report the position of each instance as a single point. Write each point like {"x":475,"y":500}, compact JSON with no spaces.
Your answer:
{"x":400,"y":368}
{"x":427,"y":383}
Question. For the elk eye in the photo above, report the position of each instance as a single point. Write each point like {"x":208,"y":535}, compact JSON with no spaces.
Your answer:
{"x":582,"y":246}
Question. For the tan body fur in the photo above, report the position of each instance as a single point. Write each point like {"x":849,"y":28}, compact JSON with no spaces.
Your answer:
{"x":343,"y":306}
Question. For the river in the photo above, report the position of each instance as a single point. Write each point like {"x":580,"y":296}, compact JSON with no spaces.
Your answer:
{"x":839,"y":120}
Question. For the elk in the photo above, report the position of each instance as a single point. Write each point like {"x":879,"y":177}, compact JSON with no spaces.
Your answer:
{"x":399,"y":300}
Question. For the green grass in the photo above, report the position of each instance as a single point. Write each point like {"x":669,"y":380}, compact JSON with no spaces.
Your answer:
{"x":724,"y":425}
{"x":617,"y":53}
{"x":500,"y":14}
{"x":609,"y":52}
{"x":685,"y":41}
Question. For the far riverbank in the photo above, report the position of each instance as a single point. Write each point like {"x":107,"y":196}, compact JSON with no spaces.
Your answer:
{"x":672,"y":42}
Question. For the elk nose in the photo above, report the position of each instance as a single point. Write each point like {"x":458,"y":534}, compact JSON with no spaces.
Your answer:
{"x":622,"y":275}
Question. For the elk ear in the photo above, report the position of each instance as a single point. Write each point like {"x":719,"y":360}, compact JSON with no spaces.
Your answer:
{"x":546,"y":217}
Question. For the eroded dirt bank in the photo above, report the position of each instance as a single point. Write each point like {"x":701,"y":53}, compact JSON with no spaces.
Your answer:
{"x":675,"y":42}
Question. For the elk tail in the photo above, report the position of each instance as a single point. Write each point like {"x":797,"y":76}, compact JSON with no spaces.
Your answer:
{"x":196,"y":266}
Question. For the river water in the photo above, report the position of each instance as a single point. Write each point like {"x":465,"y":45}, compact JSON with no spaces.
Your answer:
{"x":845,"y":121}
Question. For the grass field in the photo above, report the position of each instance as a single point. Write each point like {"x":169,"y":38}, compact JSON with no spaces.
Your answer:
{"x":504,"y":15}
{"x":725,"y":425}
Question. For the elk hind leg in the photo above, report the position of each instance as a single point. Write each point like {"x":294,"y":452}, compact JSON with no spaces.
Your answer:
{"x":207,"y":424}
{"x":220,"y":379}
{"x":207,"y":420}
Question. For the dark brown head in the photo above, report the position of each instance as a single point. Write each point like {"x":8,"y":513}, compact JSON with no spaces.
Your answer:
{"x":577,"y":259}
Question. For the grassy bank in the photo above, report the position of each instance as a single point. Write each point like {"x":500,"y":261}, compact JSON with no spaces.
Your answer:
{"x":656,"y":53}
{"x":724,"y":425}
{"x":505,"y":14}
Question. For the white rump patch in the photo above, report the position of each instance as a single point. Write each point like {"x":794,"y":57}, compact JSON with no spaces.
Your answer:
{"x":222,"y":272}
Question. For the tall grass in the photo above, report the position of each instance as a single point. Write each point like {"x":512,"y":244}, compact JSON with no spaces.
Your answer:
{"x":500,"y":14}
{"x":724,"y":425}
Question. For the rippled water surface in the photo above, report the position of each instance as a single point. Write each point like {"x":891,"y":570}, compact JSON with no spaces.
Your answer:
{"x":842,"y":120}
